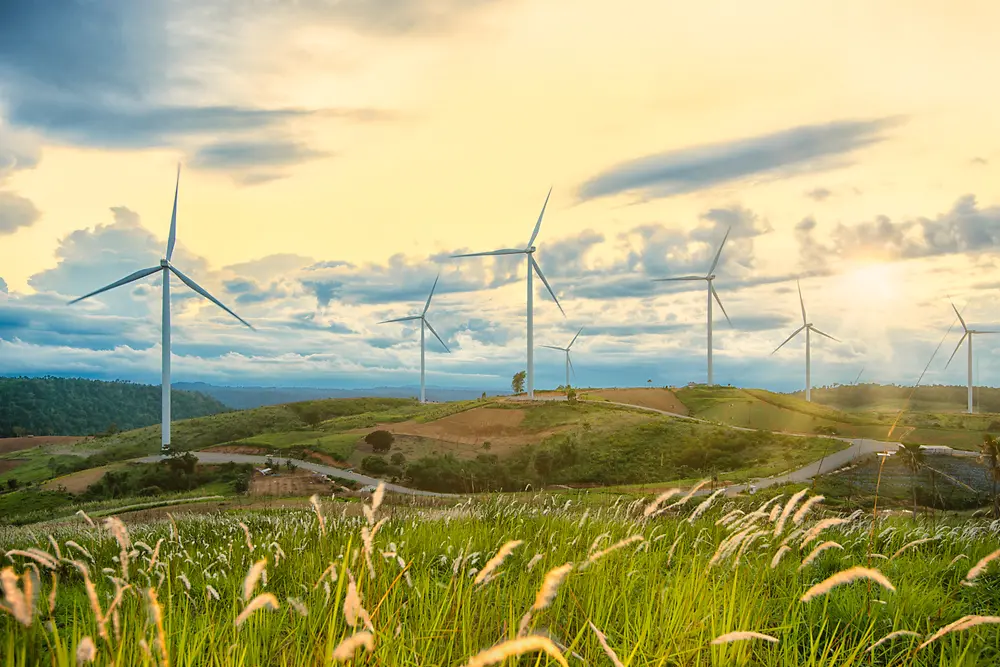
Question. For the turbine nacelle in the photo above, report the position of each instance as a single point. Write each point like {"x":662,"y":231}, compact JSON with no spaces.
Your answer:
{"x":164,"y":264}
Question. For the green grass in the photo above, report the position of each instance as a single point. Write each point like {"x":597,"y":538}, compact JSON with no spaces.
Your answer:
{"x":659,"y":602}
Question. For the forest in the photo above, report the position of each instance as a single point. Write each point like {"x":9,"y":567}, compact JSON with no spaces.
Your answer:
{"x":65,"y":406}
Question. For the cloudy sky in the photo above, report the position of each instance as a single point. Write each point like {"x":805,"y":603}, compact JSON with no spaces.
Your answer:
{"x":336,"y":152}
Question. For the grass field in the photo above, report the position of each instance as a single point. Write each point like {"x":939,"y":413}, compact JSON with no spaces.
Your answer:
{"x":658,"y":590}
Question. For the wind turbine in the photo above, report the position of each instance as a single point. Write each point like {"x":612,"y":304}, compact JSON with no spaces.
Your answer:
{"x":807,"y":327}
{"x":708,"y":278}
{"x":569,"y":364}
{"x":423,"y":321}
{"x":969,"y":333}
{"x":528,"y":251}
{"x":165,"y":268}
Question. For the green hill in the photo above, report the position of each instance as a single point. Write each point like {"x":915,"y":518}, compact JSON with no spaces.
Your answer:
{"x":69,"y":406}
{"x":929,"y":398}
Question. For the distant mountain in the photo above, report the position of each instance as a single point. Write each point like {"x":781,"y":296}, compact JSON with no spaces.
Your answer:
{"x":71,"y":406}
{"x":242,"y":398}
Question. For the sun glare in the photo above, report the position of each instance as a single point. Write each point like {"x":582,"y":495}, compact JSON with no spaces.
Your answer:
{"x":871,"y":282}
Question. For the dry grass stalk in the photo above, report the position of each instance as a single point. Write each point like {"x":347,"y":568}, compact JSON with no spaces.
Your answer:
{"x":608,"y":651}
{"x":87,"y":518}
{"x":963,"y":623}
{"x":514,"y":647}
{"x":52,"y":594}
{"x":253,"y":575}
{"x":353,"y":609}
{"x":890,"y":637}
{"x":298,"y":606}
{"x":546,"y":593}
{"x":746,"y":545}
{"x":956,"y":559}
{"x":346,"y":649}
{"x":912,"y":544}
{"x":492,"y":564}
{"x":819,"y":528}
{"x":690,"y":494}
{"x":16,"y":602}
{"x":156,"y":553}
{"x":814,"y":554}
{"x":55,"y":547}
{"x":742,"y":636}
{"x":74,"y":545}
{"x":659,"y":500}
{"x":117,"y":528}
{"x":246,"y":532}
{"x":670,"y":552}
{"x":261,"y":601}
{"x":378,"y":496}
{"x":331,"y":571}
{"x":614,"y":547}
{"x":846,"y":577}
{"x":789,"y":506}
{"x":782,"y":550}
{"x":534,"y":561}
{"x":161,"y":635}
{"x":314,"y":499}
{"x":704,"y":505}
{"x":85,"y":651}
{"x":808,"y":505}
{"x":773,"y":516}
{"x":979,"y":567}
{"x":43,"y":558}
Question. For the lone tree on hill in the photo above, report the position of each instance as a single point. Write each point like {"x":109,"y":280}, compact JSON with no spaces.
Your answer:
{"x":990,"y":457}
{"x":381,"y":441}
{"x":517,"y":384}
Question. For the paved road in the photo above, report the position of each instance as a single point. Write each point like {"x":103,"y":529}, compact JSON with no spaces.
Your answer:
{"x":224,"y":457}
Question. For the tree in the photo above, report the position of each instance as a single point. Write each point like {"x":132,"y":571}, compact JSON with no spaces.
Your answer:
{"x":517,"y":383}
{"x":571,"y":395}
{"x":990,"y":457}
{"x":381,"y":441}
{"x":913,"y":458}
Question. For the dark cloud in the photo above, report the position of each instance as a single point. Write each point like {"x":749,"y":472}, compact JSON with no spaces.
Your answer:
{"x":805,"y":149}
{"x":819,"y":194}
{"x":235,"y":155}
{"x":967,"y":227}
{"x":16,"y":212}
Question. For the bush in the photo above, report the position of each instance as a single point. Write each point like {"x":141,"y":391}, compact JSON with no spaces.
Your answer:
{"x":381,"y":441}
{"x":398,"y":459}
{"x":376,"y":465}
{"x":571,"y":395}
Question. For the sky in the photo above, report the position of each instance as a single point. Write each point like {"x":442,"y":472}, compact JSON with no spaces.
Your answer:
{"x":335,"y":153}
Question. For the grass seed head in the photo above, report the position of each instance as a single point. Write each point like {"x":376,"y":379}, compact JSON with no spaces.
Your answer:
{"x":981,"y":566}
{"x":608,"y":651}
{"x":261,"y":601}
{"x":742,"y":636}
{"x":846,"y":577}
{"x":250,"y":582}
{"x":346,"y":649}
{"x":516,"y":647}
{"x":495,"y":562}
{"x":85,"y":651}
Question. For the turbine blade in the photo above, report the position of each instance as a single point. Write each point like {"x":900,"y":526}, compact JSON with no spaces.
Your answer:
{"x":574,"y":338}
{"x":534,"y":265}
{"x":433,"y":287}
{"x":824,"y":334}
{"x":667,"y":280}
{"x":570,"y":360}
{"x":794,"y":334}
{"x":141,"y":273}
{"x":401,"y":319}
{"x":553,"y":347}
{"x":719,"y":301}
{"x":538,"y":225}
{"x":202,"y":291}
{"x":172,"y":238}
{"x":719,"y":253}
{"x":436,"y":335}
{"x":959,"y":316}
{"x":957,"y":348}
{"x":504,"y":251}
{"x":801,"y":302}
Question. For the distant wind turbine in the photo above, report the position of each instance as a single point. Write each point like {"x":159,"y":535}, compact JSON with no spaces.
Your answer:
{"x":569,"y":363}
{"x":807,"y":327}
{"x":708,"y":278}
{"x":532,"y":267}
{"x":423,"y":321}
{"x":165,"y":268}
{"x":969,"y":333}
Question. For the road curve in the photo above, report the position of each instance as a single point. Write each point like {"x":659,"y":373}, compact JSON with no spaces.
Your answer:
{"x":224,"y":457}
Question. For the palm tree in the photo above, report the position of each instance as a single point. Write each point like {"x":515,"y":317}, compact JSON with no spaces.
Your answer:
{"x":913,"y":457}
{"x":990,"y":457}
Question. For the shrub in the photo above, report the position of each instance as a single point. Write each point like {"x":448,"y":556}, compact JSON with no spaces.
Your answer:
{"x":398,"y":459}
{"x":374,"y":464}
{"x":381,"y":441}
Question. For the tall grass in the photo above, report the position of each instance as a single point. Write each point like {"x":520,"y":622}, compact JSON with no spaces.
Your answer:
{"x":648,"y":597}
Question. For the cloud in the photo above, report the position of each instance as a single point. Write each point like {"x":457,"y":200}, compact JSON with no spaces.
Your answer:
{"x":805,"y":149}
{"x":966,"y":227}
{"x":16,"y":212}
{"x":241,"y":155}
{"x":819,"y":194}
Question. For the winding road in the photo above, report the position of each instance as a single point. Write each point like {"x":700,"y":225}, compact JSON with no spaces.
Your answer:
{"x":859,"y":447}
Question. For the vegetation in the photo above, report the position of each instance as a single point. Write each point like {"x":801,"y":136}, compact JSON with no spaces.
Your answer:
{"x":381,"y":440}
{"x":62,"y":406}
{"x":517,"y":383}
{"x":926,"y":398}
{"x":990,"y":458}
{"x":658,"y":591}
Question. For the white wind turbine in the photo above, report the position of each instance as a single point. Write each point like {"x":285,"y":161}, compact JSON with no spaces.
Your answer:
{"x":969,"y":333}
{"x":708,"y":278}
{"x":528,"y":251}
{"x":423,"y":321}
{"x":569,"y":364}
{"x":165,"y":268}
{"x":807,"y":327}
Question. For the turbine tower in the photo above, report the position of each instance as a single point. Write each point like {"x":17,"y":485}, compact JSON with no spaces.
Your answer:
{"x":807,"y":327}
{"x":708,"y":278}
{"x":569,"y":364}
{"x":528,"y":251}
{"x":165,"y":268}
{"x":969,"y":333}
{"x":423,"y":322}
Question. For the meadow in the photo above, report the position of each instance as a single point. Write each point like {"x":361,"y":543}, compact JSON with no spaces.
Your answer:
{"x":561,"y":580}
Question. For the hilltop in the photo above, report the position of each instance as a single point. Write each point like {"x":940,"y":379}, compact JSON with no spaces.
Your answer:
{"x":929,"y":398}
{"x":53,"y":406}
